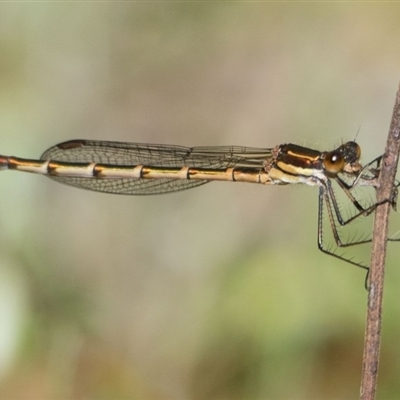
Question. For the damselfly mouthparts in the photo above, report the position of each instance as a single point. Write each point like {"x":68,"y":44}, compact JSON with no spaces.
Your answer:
{"x":145,"y":169}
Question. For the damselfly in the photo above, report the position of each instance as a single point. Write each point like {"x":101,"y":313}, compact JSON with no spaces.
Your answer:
{"x":145,"y":169}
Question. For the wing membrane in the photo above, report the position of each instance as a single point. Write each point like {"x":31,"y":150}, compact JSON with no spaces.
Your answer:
{"x":121,"y":153}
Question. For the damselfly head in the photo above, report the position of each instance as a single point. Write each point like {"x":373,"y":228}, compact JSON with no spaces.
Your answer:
{"x":344,"y":159}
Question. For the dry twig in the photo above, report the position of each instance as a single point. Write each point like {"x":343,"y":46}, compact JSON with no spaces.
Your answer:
{"x":377,"y":271}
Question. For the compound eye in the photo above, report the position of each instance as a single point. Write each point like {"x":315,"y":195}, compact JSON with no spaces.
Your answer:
{"x":357,"y":150}
{"x":334,"y":162}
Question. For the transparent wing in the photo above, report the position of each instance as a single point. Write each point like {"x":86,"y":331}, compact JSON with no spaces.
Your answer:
{"x":121,"y":153}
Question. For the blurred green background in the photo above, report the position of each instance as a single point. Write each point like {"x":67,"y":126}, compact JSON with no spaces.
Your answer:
{"x":214,"y":293}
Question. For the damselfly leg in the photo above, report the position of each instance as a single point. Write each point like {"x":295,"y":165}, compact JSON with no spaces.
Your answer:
{"x":328,"y":202}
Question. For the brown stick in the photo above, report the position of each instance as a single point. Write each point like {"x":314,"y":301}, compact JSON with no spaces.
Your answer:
{"x":375,"y":295}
